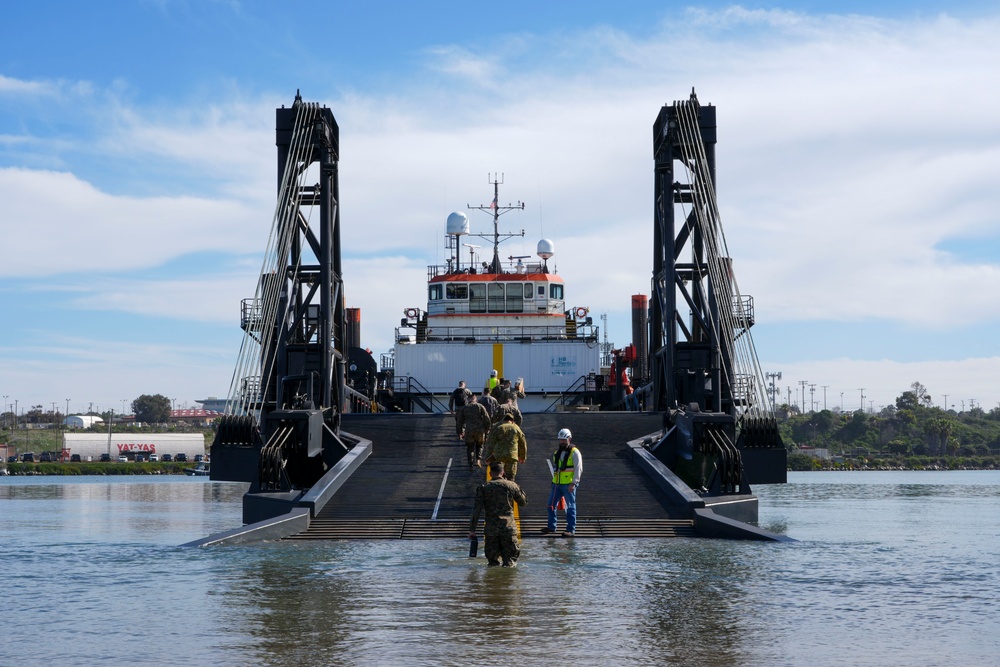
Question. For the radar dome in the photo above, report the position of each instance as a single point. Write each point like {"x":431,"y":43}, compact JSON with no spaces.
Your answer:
{"x":546,"y":249}
{"x":458,"y":224}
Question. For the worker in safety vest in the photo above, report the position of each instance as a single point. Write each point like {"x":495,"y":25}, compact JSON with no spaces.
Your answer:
{"x":567,"y":465}
{"x":492,"y":383}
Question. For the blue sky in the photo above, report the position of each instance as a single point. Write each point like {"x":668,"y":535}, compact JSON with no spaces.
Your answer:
{"x":858,"y":158}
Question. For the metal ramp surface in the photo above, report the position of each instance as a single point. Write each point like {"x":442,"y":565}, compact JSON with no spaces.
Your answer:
{"x":416,"y":483}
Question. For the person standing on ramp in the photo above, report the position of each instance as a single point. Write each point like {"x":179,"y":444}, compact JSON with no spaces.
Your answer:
{"x":567,"y":464}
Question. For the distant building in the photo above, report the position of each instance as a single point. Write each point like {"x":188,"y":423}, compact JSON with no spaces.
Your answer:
{"x":196,"y":417}
{"x":213,"y":403}
{"x":82,"y":421}
{"x":815,"y":452}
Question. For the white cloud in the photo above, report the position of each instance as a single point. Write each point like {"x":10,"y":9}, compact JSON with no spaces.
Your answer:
{"x":65,"y":225}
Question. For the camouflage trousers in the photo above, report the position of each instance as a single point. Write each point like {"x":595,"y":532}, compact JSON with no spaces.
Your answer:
{"x":510,"y":469}
{"x":474,"y":447}
{"x":502,"y":547}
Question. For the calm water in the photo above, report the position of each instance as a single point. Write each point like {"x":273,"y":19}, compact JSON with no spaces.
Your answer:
{"x":892,"y":568}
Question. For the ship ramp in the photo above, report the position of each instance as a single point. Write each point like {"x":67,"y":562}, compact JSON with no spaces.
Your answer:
{"x":416,"y":484}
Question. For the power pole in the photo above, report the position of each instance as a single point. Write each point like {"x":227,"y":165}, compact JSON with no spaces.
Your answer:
{"x":773,"y":389}
{"x":862,"y":390}
{"x":824,"y":396}
{"x":803,"y":384}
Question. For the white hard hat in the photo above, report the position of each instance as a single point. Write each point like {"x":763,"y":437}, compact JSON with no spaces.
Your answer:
{"x":564,"y":434}
{"x":493,"y":374}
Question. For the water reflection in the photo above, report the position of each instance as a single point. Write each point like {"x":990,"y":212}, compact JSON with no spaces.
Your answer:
{"x":589,"y":602}
{"x":870,"y":582}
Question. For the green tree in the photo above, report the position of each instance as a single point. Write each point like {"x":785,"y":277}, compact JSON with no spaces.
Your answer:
{"x":937,"y":432}
{"x":899,"y":447}
{"x":151,"y":409}
{"x":920,"y":392}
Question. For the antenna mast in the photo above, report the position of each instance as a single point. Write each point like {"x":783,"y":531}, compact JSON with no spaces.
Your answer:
{"x":497,"y":210}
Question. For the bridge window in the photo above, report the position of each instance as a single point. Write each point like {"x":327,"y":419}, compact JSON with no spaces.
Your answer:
{"x":477,"y":298}
{"x":434,"y":293}
{"x":528,"y":290}
{"x":515,"y":300}
{"x":495,"y":298}
{"x":457,"y":291}
{"x":556,"y":292}
{"x":541,"y":291}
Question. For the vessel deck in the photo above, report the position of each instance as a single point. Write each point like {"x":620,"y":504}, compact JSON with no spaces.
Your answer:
{"x":416,"y":483}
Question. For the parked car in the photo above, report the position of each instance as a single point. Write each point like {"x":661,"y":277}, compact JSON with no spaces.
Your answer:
{"x":75,"y":458}
{"x":166,"y":458}
{"x":45,"y":458}
{"x":198,"y":458}
{"x":27,"y":457}
{"x":154,"y":457}
{"x":12,"y":458}
{"x":140,"y":457}
{"x":105,"y":458}
{"x":122,"y":458}
{"x":182,"y":457}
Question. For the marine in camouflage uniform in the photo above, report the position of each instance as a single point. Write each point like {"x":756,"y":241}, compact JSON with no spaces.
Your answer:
{"x":507,"y":444}
{"x":497,"y":498}
{"x":505,"y":392}
{"x":504,"y":409}
{"x":473,"y":424}
{"x":490,"y":403}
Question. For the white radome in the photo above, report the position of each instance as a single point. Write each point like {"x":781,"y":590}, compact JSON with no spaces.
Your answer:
{"x":458,"y":224}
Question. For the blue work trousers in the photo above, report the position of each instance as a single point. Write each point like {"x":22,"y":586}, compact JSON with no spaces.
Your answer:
{"x":562,"y":491}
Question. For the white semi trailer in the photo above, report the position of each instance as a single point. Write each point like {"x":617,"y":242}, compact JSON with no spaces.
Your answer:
{"x":90,"y":446}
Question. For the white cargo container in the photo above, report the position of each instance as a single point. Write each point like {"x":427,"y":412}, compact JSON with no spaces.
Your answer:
{"x":95,"y":444}
{"x":545,"y":366}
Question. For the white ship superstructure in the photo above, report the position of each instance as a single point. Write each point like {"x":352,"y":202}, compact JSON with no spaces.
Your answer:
{"x":510,"y":316}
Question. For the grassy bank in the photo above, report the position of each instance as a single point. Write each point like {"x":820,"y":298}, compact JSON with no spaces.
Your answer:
{"x":95,"y":468}
{"x":805,"y":462}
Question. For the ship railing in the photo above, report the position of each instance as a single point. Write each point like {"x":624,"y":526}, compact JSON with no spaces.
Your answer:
{"x":506,"y":334}
{"x":583,"y":387}
{"x":409,"y":387}
{"x":358,"y":402}
{"x":511,"y":268}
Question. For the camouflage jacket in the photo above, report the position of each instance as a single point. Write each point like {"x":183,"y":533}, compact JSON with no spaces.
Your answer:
{"x":496,"y":498}
{"x":507,"y":408}
{"x":506,"y":442}
{"x":474,"y":419}
{"x":503,"y":393}
{"x":489,"y":403}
